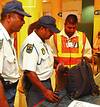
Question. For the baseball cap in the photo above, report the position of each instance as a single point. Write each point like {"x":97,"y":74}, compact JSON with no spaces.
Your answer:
{"x":49,"y":22}
{"x":14,"y":6}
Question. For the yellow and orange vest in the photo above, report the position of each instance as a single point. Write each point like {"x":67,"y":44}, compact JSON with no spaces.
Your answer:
{"x":70,"y":56}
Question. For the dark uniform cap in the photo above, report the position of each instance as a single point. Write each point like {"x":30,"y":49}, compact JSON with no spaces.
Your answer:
{"x":49,"y":22}
{"x":14,"y":6}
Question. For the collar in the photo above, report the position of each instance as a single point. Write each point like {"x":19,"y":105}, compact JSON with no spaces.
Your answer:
{"x":64,"y":34}
{"x":36,"y":37}
{"x":6,"y":35}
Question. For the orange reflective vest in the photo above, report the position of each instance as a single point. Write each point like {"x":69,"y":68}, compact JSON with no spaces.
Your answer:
{"x":69,"y":51}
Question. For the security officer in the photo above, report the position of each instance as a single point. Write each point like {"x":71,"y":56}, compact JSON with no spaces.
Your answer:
{"x":12,"y":19}
{"x":37,"y":62}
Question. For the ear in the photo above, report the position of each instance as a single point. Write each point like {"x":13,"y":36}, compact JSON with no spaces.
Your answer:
{"x":42,"y":28}
{"x":8,"y":17}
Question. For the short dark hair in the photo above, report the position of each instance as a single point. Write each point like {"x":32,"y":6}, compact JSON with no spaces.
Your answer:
{"x":71,"y":18}
{"x":31,"y":27}
{"x":3,"y":15}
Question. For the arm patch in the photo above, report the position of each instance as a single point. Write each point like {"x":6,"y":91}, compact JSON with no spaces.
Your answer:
{"x":29,"y":48}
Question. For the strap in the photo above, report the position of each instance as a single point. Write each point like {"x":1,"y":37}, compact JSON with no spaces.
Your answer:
{"x":39,"y":103}
{"x":55,"y":40}
{"x":84,"y":41}
{"x":84,"y":76}
{"x":82,"y":69}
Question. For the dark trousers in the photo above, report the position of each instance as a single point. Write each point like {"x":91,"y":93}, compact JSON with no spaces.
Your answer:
{"x":34,"y":95}
{"x":10,"y":92}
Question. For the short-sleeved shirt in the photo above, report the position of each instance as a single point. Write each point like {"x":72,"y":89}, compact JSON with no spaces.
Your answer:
{"x":8,"y":60}
{"x":37,"y":56}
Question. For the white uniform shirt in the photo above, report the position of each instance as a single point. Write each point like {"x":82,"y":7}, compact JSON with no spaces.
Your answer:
{"x":39,"y":60}
{"x":8,"y":59}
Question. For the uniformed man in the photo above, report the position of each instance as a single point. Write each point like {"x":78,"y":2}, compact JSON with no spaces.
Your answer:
{"x":12,"y":19}
{"x":37,"y":62}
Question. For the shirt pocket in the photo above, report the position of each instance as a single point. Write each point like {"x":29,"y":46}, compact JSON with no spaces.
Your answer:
{"x":43,"y":58}
{"x":9,"y":56}
{"x":9,"y":63}
{"x":10,"y":59}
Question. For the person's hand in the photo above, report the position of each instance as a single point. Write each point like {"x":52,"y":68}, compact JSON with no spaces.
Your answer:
{"x":52,"y":97}
{"x":87,"y":59}
{"x":61,"y":68}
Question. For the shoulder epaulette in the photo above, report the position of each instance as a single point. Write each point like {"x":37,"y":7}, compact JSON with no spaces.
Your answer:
{"x":29,"y":48}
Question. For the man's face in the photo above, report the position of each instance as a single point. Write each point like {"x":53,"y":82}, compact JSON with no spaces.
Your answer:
{"x":70,"y":28}
{"x":46,"y":33}
{"x":49,"y":33}
{"x":17,"y":22}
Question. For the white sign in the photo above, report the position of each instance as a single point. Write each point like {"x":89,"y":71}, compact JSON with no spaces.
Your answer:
{"x":76,"y":103}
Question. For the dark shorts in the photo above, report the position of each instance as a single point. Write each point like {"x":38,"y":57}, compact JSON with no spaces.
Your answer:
{"x":10,"y":92}
{"x":34,"y":95}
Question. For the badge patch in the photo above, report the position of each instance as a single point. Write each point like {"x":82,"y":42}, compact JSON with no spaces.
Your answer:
{"x":43,"y":51}
{"x":29,"y":48}
{"x":1,"y":43}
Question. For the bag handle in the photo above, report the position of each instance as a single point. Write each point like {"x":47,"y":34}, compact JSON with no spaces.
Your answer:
{"x":84,"y":76}
{"x":84,"y":41}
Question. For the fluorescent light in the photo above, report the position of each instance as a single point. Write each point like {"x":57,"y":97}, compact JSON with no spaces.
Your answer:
{"x":44,"y":1}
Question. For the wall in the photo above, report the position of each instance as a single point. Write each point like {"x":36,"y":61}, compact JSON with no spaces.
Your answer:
{"x":34,"y":8}
{"x":87,"y":18}
{"x":96,"y":19}
{"x":72,"y":6}
{"x":2,"y":3}
{"x":53,"y":7}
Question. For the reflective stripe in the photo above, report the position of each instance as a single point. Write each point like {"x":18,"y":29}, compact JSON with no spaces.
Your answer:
{"x":69,"y":61}
{"x":65,"y":53}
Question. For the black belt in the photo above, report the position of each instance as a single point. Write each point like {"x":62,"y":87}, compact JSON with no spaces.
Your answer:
{"x":46,"y":80}
{"x":8,"y":84}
